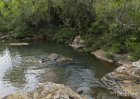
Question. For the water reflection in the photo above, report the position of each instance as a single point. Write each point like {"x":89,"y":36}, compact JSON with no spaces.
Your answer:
{"x":10,"y":66}
{"x":5,"y":61}
{"x":15,"y":76}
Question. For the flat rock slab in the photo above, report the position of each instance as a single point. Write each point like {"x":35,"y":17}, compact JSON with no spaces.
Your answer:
{"x":47,"y":91}
{"x":19,"y":44}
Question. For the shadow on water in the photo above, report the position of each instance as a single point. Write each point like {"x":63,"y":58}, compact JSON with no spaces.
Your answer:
{"x":20,"y":71}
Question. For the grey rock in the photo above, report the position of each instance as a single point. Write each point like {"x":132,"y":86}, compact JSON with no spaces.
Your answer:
{"x":124,"y":81}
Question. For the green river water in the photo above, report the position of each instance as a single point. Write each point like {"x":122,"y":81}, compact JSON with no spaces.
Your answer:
{"x":18,"y":75}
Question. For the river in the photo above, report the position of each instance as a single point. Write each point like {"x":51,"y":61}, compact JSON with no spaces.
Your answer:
{"x":20,"y":72}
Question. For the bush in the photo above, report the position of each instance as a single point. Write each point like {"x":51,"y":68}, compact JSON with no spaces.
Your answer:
{"x":64,"y":35}
{"x":135,"y":53}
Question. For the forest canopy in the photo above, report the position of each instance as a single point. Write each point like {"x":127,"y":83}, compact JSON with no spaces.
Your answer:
{"x":112,"y":25}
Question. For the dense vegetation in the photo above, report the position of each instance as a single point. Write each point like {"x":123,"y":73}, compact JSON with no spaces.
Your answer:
{"x":113,"y":25}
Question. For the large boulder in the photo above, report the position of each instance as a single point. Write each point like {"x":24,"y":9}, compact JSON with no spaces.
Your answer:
{"x":124,"y":81}
{"x":47,"y":91}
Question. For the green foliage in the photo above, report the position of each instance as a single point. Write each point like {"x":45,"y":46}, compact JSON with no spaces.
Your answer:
{"x":133,"y":46}
{"x":115,"y":27}
{"x":64,"y":35}
{"x":135,"y":54}
{"x":108,"y":24}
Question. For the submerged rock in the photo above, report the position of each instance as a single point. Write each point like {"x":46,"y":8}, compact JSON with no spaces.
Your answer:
{"x":47,"y":91}
{"x":47,"y":60}
{"x":124,"y":81}
{"x":55,"y":58}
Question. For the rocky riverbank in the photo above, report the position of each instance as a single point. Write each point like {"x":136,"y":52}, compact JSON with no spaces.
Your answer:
{"x":47,"y":91}
{"x":125,"y":79}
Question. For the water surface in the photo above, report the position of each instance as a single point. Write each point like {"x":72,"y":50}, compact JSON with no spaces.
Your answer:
{"x":20,"y":71}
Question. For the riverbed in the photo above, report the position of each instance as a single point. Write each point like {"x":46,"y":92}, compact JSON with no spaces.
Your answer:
{"x":21,"y":71}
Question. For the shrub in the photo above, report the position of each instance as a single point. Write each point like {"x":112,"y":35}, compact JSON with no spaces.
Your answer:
{"x":64,"y":35}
